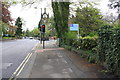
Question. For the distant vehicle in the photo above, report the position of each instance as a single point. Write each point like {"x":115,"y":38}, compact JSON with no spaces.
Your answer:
{"x":30,"y":37}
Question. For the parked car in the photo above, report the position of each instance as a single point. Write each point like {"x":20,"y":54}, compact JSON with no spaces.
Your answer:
{"x":30,"y":37}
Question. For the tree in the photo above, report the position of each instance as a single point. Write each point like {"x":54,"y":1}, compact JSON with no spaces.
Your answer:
{"x":18,"y":23}
{"x":3,"y":28}
{"x":27,"y":33}
{"x":0,"y":11}
{"x":6,"y":17}
{"x":88,"y":18}
{"x":35,"y":32}
{"x":50,"y":28}
{"x":61,"y":13}
{"x":115,"y":4}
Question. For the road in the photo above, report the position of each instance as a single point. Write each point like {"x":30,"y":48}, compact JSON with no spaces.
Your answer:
{"x":13,"y":53}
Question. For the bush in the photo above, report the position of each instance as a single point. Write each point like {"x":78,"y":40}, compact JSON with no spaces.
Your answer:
{"x":86,"y":43}
{"x":68,"y":38}
{"x":109,"y":48}
{"x":104,"y":48}
{"x":103,"y":41}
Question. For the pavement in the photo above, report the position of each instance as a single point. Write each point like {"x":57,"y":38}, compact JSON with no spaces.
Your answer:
{"x":56,"y":62}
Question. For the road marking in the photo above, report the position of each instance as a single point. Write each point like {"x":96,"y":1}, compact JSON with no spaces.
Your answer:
{"x":24,"y":65}
{"x":18,"y":70}
{"x":21,"y":64}
{"x":35,"y":46}
{"x":19,"y":67}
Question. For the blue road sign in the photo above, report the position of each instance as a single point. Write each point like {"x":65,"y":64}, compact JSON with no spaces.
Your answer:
{"x":74,"y":27}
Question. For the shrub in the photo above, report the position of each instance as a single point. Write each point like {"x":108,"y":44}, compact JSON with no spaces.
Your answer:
{"x":104,"y":48}
{"x":84,"y":43}
{"x":109,"y":48}
{"x":68,"y":38}
{"x":103,"y":41}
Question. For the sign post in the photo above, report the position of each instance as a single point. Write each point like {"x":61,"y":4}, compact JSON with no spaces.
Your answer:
{"x":74,"y":27}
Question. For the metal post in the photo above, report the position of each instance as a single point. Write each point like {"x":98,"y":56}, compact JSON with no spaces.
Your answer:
{"x":43,"y":41}
{"x":41,"y":38}
{"x":78,"y":31}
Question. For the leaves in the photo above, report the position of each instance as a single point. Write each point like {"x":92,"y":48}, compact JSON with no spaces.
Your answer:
{"x":61,"y":13}
{"x":109,"y":48}
{"x":19,"y":23}
{"x":35,"y":32}
{"x":89,"y":19}
{"x":6,"y":16}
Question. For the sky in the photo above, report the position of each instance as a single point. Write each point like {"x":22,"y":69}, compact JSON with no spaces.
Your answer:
{"x":31,"y":16}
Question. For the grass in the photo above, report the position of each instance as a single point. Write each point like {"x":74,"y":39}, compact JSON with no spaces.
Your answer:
{"x":7,"y":38}
{"x":4,"y":37}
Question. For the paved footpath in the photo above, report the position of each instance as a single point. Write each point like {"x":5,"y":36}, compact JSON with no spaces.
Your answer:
{"x":56,"y":62}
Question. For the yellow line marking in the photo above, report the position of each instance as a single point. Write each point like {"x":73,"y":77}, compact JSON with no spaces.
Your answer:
{"x":35,"y":46}
{"x":24,"y":64}
{"x":19,"y":67}
{"x":21,"y":64}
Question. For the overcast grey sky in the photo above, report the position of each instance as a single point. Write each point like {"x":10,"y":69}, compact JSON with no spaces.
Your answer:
{"x":32,"y":16}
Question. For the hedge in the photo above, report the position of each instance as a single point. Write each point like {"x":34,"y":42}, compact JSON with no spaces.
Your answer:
{"x":86,"y":45}
{"x":104,"y":49}
{"x":109,"y":48}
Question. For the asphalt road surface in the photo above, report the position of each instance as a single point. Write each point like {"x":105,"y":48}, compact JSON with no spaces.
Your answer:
{"x":13,"y":53}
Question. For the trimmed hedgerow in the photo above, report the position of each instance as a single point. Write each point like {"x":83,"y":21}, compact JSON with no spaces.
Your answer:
{"x":109,"y":48}
{"x":104,"y":49}
{"x":88,"y":44}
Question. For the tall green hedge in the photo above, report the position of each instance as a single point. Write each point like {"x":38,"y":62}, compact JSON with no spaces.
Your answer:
{"x":87,"y":44}
{"x":104,"y":49}
{"x":109,"y":48}
{"x":84,"y":44}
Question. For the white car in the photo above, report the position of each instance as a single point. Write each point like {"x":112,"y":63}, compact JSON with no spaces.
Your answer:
{"x":30,"y":37}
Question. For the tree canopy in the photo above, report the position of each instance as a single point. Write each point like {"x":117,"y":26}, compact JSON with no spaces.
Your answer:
{"x":6,"y":16}
{"x":18,"y":23}
{"x":61,"y":14}
{"x":88,"y":18}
